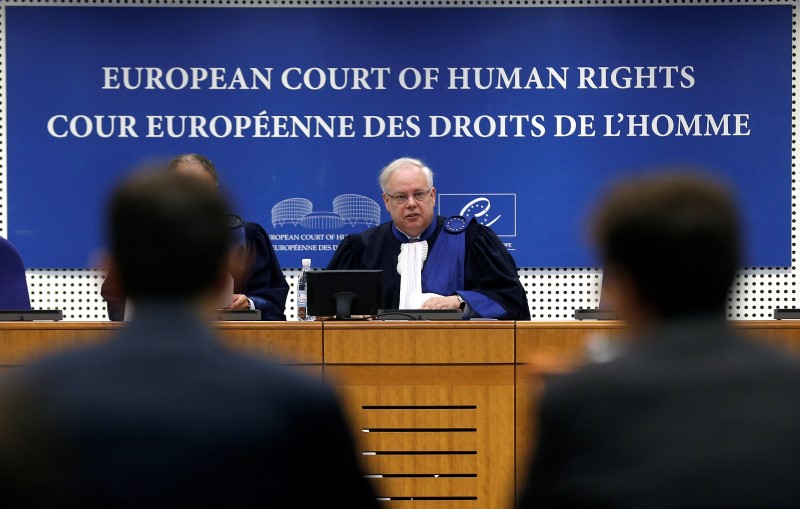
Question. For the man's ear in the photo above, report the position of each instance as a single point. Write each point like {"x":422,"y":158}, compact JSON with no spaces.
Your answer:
{"x":103,"y":260}
{"x":616,"y":286}
{"x":106,"y":262}
{"x":386,"y":201}
{"x":220,"y":281}
{"x":623,"y":295}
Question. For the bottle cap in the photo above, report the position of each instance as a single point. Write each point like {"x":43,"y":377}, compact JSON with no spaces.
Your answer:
{"x":306,"y":262}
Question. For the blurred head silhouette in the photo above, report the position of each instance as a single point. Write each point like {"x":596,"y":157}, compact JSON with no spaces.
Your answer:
{"x":195,"y":165}
{"x":670,"y":244}
{"x":168,"y":233}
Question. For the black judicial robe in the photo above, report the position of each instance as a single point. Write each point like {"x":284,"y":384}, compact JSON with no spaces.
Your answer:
{"x":489,"y":268}
{"x":263,"y":282}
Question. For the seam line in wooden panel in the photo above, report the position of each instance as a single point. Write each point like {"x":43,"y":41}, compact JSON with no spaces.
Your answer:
{"x":426,"y":364}
{"x":415,"y":476}
{"x":426,"y":498}
{"x":419,"y":430}
{"x":418,"y":453}
{"x":419,"y":407}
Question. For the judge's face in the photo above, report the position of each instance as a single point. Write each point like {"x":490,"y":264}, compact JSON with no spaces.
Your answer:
{"x":411,"y":215}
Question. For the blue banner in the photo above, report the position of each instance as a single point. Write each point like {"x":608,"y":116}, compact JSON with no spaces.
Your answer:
{"x":524,"y":114}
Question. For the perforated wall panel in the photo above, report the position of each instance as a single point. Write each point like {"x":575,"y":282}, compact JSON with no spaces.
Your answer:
{"x":552,"y":293}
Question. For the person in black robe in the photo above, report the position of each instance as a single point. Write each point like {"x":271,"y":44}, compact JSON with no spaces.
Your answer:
{"x":477,"y":273}
{"x":258,"y":281}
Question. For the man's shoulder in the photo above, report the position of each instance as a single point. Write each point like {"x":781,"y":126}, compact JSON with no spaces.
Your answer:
{"x":706,"y":358}
{"x":371,"y":235}
{"x":481,"y":239}
{"x":270,"y":376}
{"x":380,"y":229}
{"x":252,"y":230}
{"x":127,"y":357}
{"x":475,"y":228}
{"x":64,"y":364}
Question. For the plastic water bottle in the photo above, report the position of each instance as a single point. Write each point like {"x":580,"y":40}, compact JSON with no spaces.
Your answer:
{"x":302,"y":293}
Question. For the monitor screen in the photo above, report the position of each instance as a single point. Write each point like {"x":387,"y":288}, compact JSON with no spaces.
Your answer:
{"x":342,"y":293}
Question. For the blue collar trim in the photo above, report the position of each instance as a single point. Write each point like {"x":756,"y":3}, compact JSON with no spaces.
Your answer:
{"x":402,"y":237}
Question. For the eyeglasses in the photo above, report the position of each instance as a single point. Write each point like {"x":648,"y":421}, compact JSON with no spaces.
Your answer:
{"x":402,"y":198}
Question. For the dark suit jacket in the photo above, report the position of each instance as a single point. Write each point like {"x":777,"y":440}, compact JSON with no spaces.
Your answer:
{"x":163,"y":416}
{"x":693,"y":417}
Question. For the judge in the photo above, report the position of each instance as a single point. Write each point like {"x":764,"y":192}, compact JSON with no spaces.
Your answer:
{"x":432,"y":262}
{"x":258,"y":281}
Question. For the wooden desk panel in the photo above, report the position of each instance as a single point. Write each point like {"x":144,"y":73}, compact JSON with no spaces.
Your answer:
{"x":22,"y":342}
{"x":290,"y":342}
{"x":419,"y":342}
{"x":559,"y":342}
{"x":528,"y":392}
{"x":567,"y":340}
{"x":433,"y":485}
{"x":440,"y":435}
{"x":780,"y":333}
{"x":486,"y":376}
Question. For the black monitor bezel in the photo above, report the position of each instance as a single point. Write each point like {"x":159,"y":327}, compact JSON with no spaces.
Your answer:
{"x":322,"y":285}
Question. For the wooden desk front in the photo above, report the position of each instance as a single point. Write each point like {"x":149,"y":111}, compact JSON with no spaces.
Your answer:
{"x":442,"y":412}
{"x":292,"y":342}
{"x":432,"y":405}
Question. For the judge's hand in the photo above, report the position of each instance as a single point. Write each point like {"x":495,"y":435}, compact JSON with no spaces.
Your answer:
{"x":240,"y":302}
{"x":450,"y":302}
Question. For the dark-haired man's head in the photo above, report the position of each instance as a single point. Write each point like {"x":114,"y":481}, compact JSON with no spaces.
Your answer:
{"x":195,"y":165}
{"x":168,"y":234}
{"x":671,"y":245}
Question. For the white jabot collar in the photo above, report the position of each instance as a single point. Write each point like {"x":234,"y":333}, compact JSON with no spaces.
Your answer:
{"x":409,"y":266}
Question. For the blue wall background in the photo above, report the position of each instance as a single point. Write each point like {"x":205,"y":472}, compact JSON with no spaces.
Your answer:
{"x":539,"y":190}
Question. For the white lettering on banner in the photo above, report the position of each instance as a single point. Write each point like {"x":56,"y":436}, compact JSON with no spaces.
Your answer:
{"x":305,"y":247}
{"x":391,"y":126}
{"x":193,"y":78}
{"x":263,"y":125}
{"x":83,"y":126}
{"x":728,"y":124}
{"x":499,"y":78}
{"x":486,"y":126}
{"x":409,"y":78}
{"x":398,"y":126}
{"x":586,"y":123}
{"x":412,"y":82}
{"x":258,"y":126}
{"x":337,"y":78}
{"x":635,"y":77}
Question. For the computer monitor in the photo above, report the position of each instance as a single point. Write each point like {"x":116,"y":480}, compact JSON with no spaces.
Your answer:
{"x":342,"y":293}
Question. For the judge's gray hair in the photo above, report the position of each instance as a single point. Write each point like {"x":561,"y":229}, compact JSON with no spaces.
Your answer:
{"x":383,"y":178}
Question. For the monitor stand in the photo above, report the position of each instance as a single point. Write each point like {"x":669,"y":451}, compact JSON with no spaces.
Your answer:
{"x":344,"y":304}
